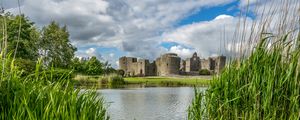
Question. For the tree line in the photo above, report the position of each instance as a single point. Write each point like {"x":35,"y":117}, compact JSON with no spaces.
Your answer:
{"x":26,"y":43}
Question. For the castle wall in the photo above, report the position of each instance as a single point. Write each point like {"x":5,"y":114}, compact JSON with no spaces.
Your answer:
{"x":182,"y":66}
{"x":142,"y":69}
{"x":152,"y":70}
{"x":206,"y":64}
{"x":168,"y":64}
{"x":193,"y":63}
{"x":128,"y":64}
{"x":220,"y":62}
{"x":187,"y":65}
{"x":123,"y":63}
{"x":134,"y":67}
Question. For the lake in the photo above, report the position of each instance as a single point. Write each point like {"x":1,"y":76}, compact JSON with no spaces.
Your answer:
{"x":157,"y":103}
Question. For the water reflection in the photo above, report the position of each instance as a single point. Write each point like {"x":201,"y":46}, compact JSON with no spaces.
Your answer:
{"x":157,"y":103}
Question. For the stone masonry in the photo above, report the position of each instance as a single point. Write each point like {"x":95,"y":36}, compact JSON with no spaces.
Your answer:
{"x":170,"y":64}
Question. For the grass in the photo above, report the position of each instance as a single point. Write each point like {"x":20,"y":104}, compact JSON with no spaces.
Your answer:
{"x":264,"y":85}
{"x":101,"y":81}
{"x":36,"y":97}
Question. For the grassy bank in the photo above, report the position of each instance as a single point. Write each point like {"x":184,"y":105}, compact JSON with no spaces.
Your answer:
{"x":101,"y":81}
{"x":168,"y":81}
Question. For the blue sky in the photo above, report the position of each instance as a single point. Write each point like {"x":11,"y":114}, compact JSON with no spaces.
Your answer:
{"x":110,"y":29}
{"x":209,"y":13}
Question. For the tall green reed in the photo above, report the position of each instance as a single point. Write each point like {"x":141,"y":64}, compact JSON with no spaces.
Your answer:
{"x":262,"y":83}
{"x":38,"y":97}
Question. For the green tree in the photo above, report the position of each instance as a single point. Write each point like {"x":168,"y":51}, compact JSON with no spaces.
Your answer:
{"x":22,"y":36}
{"x":55,"y":46}
{"x":78,"y":65}
{"x":94,"y":66}
{"x":108,"y":69}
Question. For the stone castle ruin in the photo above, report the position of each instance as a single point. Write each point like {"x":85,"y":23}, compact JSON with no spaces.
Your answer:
{"x":170,"y":64}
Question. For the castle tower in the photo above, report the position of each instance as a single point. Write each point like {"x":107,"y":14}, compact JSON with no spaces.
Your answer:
{"x":128,"y":64}
{"x":193,"y":63}
{"x":168,"y":64}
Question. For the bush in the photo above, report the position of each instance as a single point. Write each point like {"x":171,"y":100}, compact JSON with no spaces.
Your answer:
{"x":115,"y":80}
{"x":27,"y":66}
{"x":204,"y":72}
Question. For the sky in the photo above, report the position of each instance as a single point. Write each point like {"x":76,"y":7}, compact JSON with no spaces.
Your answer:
{"x":110,"y":29}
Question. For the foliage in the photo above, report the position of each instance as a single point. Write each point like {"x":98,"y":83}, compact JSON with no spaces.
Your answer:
{"x":27,"y":40}
{"x":115,"y":80}
{"x":56,"y":74}
{"x":263,"y":81}
{"x":197,"y":109}
{"x":27,"y":66}
{"x":33,"y":94}
{"x":36,"y":97}
{"x":263,"y":86}
{"x":204,"y":72}
{"x":107,"y":69}
{"x":78,"y":65}
{"x":93,"y":66}
{"x":56,"y":47}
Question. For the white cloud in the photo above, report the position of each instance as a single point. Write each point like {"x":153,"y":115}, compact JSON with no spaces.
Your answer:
{"x":111,"y":55}
{"x":181,"y":51}
{"x":207,"y":37}
{"x":117,"y":64}
{"x":91,"y":51}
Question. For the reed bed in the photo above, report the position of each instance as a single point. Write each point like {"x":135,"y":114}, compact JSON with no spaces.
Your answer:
{"x":36,"y":97}
{"x":263,"y":83}
{"x":264,"y":86}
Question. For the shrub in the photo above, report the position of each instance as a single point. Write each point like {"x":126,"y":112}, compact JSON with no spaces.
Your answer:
{"x":204,"y":72}
{"x":115,"y":80}
{"x":27,"y":66}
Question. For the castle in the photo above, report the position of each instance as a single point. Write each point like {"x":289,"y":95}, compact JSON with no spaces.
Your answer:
{"x":170,"y":64}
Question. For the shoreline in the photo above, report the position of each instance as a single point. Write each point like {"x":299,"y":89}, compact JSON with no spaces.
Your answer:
{"x":85,"y":81}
